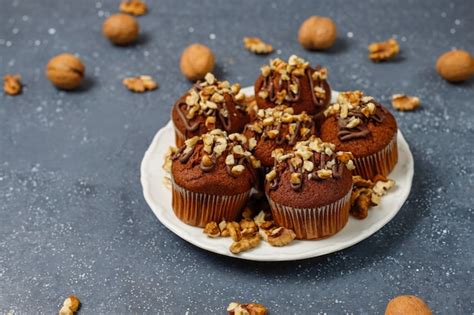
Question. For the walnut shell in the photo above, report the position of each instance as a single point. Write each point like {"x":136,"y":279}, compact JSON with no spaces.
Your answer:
{"x":455,"y":66}
{"x":121,"y":29}
{"x":65,"y":71}
{"x":196,"y":61}
{"x":317,"y":33}
{"x":407,"y":305}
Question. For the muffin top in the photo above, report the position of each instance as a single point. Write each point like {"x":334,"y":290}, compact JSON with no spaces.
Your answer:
{"x":278,"y":127}
{"x":214,"y":163}
{"x":209,"y":105}
{"x":358,"y":124}
{"x":310,"y":175}
{"x":294,"y":83}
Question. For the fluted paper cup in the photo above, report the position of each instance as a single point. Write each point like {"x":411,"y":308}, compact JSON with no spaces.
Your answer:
{"x":313,"y":223}
{"x":380,"y":163}
{"x":198,"y":209}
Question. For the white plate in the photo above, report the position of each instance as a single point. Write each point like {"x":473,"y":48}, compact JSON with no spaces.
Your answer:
{"x":158,"y":198}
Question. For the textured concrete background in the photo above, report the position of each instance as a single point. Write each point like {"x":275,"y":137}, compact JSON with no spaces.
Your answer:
{"x":72,"y":215}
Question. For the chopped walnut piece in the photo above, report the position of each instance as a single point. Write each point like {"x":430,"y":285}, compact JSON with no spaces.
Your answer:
{"x":234,"y":231}
{"x":281,"y":236}
{"x":405,"y":102}
{"x":212,"y":229}
{"x":140,"y":84}
{"x":133,"y":7}
{"x":248,"y":226}
{"x":245,"y":243}
{"x":359,"y":181}
{"x":70,"y":306}
{"x":236,"y":308}
{"x":256,"y":45}
{"x":383,"y":50}
{"x":12,"y":84}
{"x":381,"y":187}
{"x":360,"y":208}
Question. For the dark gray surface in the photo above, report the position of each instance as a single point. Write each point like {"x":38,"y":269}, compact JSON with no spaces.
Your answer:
{"x":72,"y":215}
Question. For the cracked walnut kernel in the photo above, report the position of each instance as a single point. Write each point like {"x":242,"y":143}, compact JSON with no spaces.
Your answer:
{"x":245,"y":243}
{"x":236,"y":308}
{"x":212,"y":229}
{"x":404,"y":102}
{"x":281,"y":236}
{"x":140,"y":84}
{"x":12,"y":84}
{"x":256,"y":45}
{"x":70,"y":306}
{"x":383,"y":50}
{"x":133,"y":7}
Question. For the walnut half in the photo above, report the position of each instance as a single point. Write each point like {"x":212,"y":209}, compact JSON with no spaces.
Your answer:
{"x":140,"y":84}
{"x":383,"y":51}
{"x":256,"y":45}
{"x":281,"y":236}
{"x":12,"y":84}
{"x":133,"y":7}
{"x":236,"y":308}
{"x":404,"y":102}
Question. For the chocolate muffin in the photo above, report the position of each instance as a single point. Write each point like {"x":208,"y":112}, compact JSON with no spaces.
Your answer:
{"x":295,"y":84}
{"x":277,"y":127}
{"x":209,"y":105}
{"x":359,"y":124}
{"x":212,"y":176}
{"x":309,"y":188}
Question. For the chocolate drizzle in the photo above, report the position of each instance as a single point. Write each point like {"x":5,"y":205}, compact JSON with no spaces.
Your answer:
{"x":361,"y":130}
{"x":273,"y":89}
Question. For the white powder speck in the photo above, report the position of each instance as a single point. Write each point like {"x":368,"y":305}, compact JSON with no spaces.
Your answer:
{"x":278,"y":51}
{"x":37,"y":42}
{"x":350,"y":34}
{"x":212,"y":36}
{"x":452,"y":31}
{"x":15,"y":30}
{"x":8,"y":43}
{"x":2,"y":41}
{"x":404,"y":39}
{"x":443,"y":14}
{"x":191,"y":29}
{"x":100,"y":13}
{"x":98,"y":5}
{"x":51,"y":31}
{"x":25,"y":18}
{"x":146,"y":53}
{"x":11,"y":63}
{"x":457,"y":22}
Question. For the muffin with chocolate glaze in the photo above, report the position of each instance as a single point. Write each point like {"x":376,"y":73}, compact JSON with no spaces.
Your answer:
{"x":209,"y":105}
{"x":309,"y":188}
{"x":359,"y":124}
{"x":294,"y":83}
{"x":212,"y":176}
{"x":277,"y":127}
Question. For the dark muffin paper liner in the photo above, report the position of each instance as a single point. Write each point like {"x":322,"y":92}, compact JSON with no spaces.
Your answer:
{"x":380,"y":163}
{"x":313,"y":223}
{"x":198,"y":209}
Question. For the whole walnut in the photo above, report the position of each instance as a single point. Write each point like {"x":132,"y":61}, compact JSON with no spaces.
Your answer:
{"x":317,"y":33}
{"x":121,"y":29}
{"x":407,"y":305}
{"x":455,"y":66}
{"x":196,"y":61}
{"x":65,"y":71}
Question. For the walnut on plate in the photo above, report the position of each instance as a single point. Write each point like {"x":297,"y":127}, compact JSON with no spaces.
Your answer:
{"x":383,"y":51}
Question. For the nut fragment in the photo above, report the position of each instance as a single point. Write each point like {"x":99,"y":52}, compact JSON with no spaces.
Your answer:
{"x":12,"y":84}
{"x":133,"y":7}
{"x":381,"y":187}
{"x":317,"y":32}
{"x":281,"y":236}
{"x":245,"y":243}
{"x":455,"y":66}
{"x":140,"y":84}
{"x":70,"y":306}
{"x":121,"y":29}
{"x":65,"y":71}
{"x":256,"y":45}
{"x":234,"y":231}
{"x":236,"y":308}
{"x":196,"y":61}
{"x":383,"y":50}
{"x":404,"y":102}
{"x":212,"y":229}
